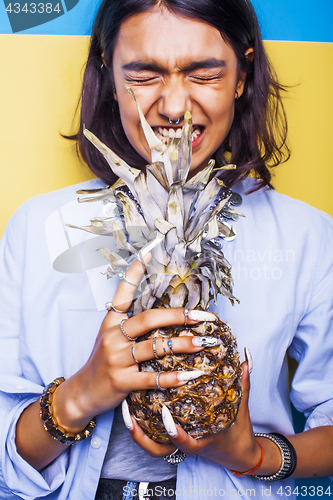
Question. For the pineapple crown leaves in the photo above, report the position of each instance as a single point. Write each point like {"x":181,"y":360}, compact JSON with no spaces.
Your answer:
{"x":161,"y":211}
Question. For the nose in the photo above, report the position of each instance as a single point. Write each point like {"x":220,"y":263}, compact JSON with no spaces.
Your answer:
{"x":174,"y":101}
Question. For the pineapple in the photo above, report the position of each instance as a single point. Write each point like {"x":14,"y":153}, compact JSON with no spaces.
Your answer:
{"x":177,"y":219}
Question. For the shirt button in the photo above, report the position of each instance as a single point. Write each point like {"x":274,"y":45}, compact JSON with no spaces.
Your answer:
{"x":95,"y":443}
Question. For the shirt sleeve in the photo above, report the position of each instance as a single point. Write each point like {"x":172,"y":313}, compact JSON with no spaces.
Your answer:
{"x":17,"y":477}
{"x":312,"y":347}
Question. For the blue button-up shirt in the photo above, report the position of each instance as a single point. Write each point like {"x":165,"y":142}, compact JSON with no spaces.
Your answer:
{"x":52,"y":296}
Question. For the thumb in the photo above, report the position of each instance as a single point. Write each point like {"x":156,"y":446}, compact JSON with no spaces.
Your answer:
{"x":245,"y":380}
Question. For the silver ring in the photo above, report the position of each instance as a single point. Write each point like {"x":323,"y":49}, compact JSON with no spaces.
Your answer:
{"x":133,"y":353}
{"x":132,"y":339}
{"x":157,"y":383}
{"x":164,"y":347}
{"x":110,"y":307}
{"x":154,"y":349}
{"x":186,"y":311}
{"x":140,"y":259}
{"x":175,"y":458}
{"x":122,"y":277}
{"x":174,"y":122}
{"x":170,"y":346}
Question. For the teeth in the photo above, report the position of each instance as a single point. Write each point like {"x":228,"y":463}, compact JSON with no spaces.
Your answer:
{"x":164,"y":134}
{"x":195,"y":134}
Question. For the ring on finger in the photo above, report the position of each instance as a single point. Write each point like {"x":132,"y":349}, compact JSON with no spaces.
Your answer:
{"x":133,"y":353}
{"x":163,"y":345}
{"x":140,"y":259}
{"x":110,"y":307}
{"x":157,"y":382}
{"x":186,"y":311}
{"x":132,"y":339}
{"x":154,"y":348}
{"x":170,"y":347}
{"x":122,"y":277}
{"x":175,"y":457}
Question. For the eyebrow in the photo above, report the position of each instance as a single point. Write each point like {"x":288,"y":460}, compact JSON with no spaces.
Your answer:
{"x":204,"y":64}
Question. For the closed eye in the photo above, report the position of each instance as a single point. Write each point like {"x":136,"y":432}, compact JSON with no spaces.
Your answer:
{"x":141,"y":80}
{"x":206,"y":78}
{"x":142,"y":77}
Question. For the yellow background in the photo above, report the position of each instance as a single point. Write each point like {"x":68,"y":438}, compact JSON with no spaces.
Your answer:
{"x":39,"y":88}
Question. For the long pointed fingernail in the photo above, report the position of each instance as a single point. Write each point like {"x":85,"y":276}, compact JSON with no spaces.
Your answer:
{"x":248,"y":358}
{"x":168,"y":422}
{"x":206,"y":341}
{"x":198,"y":315}
{"x":190,"y":375}
{"x":126,"y":415}
{"x":146,"y":249}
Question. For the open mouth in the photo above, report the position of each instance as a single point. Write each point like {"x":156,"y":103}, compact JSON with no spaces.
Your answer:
{"x":166,"y":133}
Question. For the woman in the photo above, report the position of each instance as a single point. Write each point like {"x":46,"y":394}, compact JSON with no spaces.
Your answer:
{"x":206,"y":58}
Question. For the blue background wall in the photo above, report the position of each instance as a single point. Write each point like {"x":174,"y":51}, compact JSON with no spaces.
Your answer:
{"x":289,"y":20}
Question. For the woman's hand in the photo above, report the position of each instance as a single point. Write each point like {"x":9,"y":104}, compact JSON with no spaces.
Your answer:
{"x":108,"y":376}
{"x":111,"y":371}
{"x":234,"y":448}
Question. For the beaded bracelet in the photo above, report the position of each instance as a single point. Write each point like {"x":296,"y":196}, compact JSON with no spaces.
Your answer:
{"x":50,"y":423}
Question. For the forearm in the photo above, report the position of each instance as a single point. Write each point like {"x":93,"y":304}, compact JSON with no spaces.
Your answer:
{"x":314,"y":449}
{"x":33,"y":443}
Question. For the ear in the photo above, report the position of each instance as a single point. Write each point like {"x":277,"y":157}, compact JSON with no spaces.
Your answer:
{"x":249,"y":54}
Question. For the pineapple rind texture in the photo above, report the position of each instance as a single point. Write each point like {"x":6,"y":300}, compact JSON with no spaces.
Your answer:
{"x":160,"y":210}
{"x":203,"y":406}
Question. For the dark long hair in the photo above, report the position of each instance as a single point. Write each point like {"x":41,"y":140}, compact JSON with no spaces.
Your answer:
{"x":257,"y":138}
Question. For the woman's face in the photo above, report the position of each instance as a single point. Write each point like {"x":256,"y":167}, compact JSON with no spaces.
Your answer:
{"x":175,"y":64}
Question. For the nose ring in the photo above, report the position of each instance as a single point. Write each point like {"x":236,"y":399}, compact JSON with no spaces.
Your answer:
{"x":174,"y":122}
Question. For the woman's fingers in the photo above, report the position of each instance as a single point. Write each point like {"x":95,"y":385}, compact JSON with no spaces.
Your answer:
{"x":127,"y":285}
{"x":163,"y":380}
{"x":163,"y":346}
{"x":180,"y":438}
{"x":155,"y":318}
{"x":154,"y":449}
